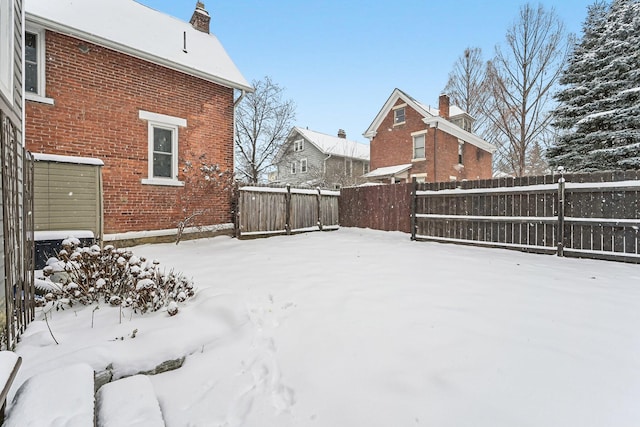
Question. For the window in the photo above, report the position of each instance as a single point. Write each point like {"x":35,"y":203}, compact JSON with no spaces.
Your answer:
{"x":349,"y":167}
{"x":298,"y":145}
{"x":6,"y":49}
{"x":365,"y":168}
{"x":294,"y":168}
{"x":303,"y":165}
{"x":418,"y":147}
{"x":163,"y":148}
{"x":34,"y":66}
{"x":398,"y":116}
{"x":460,"y":150}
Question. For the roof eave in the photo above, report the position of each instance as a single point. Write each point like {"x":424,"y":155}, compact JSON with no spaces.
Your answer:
{"x":460,"y":133}
{"x":92,"y":38}
{"x":388,"y":105}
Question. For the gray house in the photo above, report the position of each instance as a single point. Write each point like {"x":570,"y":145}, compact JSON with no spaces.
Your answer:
{"x":16,"y":251}
{"x":315,"y":159}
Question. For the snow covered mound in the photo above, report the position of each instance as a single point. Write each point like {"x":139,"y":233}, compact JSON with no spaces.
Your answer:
{"x":129,"y":402}
{"x":62,"y":397}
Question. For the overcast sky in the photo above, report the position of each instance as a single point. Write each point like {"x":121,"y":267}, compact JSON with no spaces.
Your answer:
{"x":339,"y":60}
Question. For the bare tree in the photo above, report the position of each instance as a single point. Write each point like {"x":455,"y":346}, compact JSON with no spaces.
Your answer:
{"x":521,"y":78}
{"x":467,"y":86}
{"x":263,"y":119}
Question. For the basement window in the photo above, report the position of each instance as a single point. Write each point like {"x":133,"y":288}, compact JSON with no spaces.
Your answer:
{"x":163,"y":148}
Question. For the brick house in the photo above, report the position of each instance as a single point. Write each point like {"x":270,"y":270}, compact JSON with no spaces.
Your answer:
{"x":150,"y":96}
{"x":410,"y":139}
{"x":316,"y":159}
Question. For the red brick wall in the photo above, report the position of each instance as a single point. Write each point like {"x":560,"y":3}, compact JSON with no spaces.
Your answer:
{"x":393,"y":145}
{"x":98,"y":96}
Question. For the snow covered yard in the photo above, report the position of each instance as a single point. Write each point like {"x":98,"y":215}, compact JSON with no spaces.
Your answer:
{"x":366,"y":328}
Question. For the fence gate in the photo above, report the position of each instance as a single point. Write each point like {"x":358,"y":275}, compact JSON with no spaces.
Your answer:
{"x":284,"y":210}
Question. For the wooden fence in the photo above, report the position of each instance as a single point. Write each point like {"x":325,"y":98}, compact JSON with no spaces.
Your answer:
{"x":584,"y":215}
{"x":380,"y":207}
{"x":285,"y":210}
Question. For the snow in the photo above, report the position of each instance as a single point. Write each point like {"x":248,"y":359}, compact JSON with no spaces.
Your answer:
{"x":8,"y":360}
{"x":61,"y":234}
{"x":168,"y":232}
{"x":138,"y":30}
{"x":41,"y":400}
{"x":293,"y":190}
{"x":592,"y":116}
{"x":535,"y":188}
{"x":335,"y":145}
{"x":114,"y":411}
{"x":366,"y":328}
{"x":388,"y":171}
{"x":41,"y":157}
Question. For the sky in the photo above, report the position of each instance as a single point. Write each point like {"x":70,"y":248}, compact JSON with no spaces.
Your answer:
{"x":340,"y":60}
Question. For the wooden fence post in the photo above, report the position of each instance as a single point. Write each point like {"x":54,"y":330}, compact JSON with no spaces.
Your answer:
{"x":560,"y":233}
{"x":414,"y":186}
{"x":287,"y":203}
{"x":319,"y":197}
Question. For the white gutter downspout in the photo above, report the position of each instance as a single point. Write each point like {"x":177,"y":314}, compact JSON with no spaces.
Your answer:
{"x":237,"y":101}
{"x":324,"y":165}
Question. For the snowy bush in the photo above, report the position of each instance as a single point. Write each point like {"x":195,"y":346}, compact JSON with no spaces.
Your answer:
{"x":117,"y":277}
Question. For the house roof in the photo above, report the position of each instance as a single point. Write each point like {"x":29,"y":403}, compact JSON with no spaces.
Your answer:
{"x":387,"y":171}
{"x":142,"y":32}
{"x":431,"y":117}
{"x":334,"y":145}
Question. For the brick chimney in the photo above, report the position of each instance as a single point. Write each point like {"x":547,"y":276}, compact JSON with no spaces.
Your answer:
{"x":443,"y":106}
{"x":200,"y":18}
{"x":342,"y":134}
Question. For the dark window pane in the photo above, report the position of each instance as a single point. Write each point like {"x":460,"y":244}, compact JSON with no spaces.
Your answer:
{"x":31,"y":47}
{"x":162,"y":165}
{"x":31,"y":78}
{"x":162,"y":140}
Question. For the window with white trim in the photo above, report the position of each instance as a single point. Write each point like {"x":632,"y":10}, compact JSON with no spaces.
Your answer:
{"x":398,"y":116}
{"x":460,"y":151}
{"x":365,"y":168}
{"x":6,"y":49}
{"x":34,"y":63}
{"x":303,"y":166}
{"x":349,"y":167}
{"x":163,"y":148}
{"x":418,"y":147}
{"x":298,"y":145}
{"x":294,"y":167}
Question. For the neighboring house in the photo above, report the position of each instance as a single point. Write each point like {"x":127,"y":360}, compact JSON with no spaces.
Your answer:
{"x":16,"y":250}
{"x":410,"y":139}
{"x":147,"y":95}
{"x":311,"y":158}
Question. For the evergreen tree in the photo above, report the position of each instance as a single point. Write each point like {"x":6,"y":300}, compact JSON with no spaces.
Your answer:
{"x":599,"y":115}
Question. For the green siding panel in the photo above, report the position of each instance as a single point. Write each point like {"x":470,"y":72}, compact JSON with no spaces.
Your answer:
{"x":67,"y":197}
